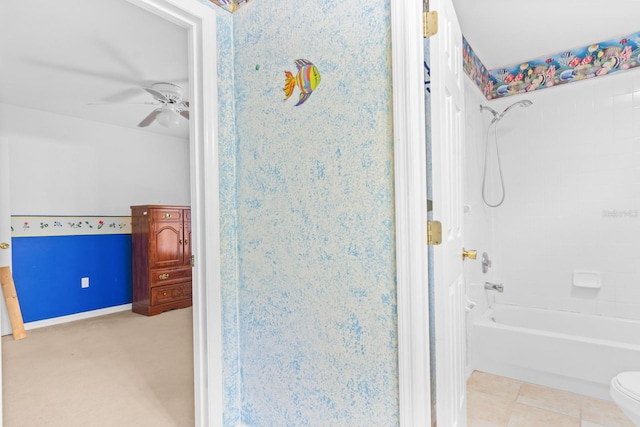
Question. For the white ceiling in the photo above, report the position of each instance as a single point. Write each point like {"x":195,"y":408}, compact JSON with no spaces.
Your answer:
{"x":505,"y":32}
{"x":62,"y":56}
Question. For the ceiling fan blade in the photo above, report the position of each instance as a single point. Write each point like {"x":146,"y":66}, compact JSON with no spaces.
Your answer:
{"x":124,"y":95}
{"x":185,"y":114}
{"x":149,"y":119}
{"x":157,"y":95}
{"x":128,"y":65}
{"x":82,"y":71}
{"x":123,"y":103}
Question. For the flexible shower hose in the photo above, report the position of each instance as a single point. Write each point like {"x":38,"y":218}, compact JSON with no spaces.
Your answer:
{"x":486,"y":157}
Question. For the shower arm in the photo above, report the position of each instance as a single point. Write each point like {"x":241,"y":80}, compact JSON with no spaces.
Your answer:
{"x":498,"y":116}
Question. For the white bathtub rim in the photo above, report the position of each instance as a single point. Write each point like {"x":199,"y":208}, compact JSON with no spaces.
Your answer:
{"x":486,"y":320}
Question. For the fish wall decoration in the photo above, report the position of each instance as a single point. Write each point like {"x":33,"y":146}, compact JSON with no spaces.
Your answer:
{"x":307,"y":79}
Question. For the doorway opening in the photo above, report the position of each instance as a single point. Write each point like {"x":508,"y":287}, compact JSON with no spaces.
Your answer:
{"x":199,"y":22}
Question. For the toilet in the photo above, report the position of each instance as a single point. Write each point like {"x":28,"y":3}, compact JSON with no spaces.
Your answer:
{"x":625,"y":392}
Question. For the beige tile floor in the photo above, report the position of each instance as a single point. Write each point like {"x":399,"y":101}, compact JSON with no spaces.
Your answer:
{"x":495,"y":401}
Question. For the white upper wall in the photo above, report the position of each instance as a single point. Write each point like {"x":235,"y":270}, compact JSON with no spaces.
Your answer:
{"x":66,"y":166}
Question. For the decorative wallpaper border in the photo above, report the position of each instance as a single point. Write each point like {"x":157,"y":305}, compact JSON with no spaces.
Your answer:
{"x":570,"y":66}
{"x":31,"y":226}
{"x":474,"y":68}
{"x":229,"y":5}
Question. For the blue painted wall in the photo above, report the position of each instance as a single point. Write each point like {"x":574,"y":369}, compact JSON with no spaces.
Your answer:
{"x":47,"y":272}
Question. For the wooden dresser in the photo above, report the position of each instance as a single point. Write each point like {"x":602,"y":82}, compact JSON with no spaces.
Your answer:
{"x":161,"y":252}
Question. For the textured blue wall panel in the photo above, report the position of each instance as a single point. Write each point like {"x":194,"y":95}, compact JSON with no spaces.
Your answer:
{"x":315,"y":225}
{"x":47,"y":272}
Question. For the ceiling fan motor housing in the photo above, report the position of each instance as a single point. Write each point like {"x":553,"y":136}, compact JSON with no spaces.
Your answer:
{"x":172,"y":92}
{"x":169,"y":96}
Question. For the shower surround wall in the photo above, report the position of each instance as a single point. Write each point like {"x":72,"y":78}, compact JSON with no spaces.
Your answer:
{"x":572,"y":172}
{"x":317,"y":337}
{"x":478,"y":217}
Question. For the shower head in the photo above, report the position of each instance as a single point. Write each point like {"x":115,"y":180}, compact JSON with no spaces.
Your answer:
{"x":523,"y":103}
{"x":497,"y":116}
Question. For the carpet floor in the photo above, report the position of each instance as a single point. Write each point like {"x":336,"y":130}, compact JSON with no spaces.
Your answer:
{"x":117,"y":370}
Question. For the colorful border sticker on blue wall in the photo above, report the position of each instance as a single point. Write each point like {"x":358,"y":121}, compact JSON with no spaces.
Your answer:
{"x":307,"y":79}
{"x":30,"y":226}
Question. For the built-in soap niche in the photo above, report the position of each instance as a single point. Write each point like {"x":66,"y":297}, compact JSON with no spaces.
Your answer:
{"x":586,"y":284}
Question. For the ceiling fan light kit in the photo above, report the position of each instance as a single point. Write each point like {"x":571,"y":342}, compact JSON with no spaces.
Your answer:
{"x":168,"y":117}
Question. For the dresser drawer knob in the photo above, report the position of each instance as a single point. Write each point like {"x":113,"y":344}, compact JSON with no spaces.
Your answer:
{"x":164,"y":294}
{"x":167,"y":215}
{"x":163,"y":276}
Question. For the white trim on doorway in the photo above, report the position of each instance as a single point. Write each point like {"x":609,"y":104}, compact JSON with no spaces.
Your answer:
{"x":411,"y":213}
{"x":200,"y":22}
{"x":5,"y":237}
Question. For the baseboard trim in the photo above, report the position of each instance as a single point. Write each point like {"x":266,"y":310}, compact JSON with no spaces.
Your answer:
{"x":78,"y":316}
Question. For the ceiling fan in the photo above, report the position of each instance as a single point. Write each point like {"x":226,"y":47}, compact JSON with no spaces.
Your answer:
{"x":171,"y":105}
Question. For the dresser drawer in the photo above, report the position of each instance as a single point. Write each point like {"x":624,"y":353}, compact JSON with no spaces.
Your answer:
{"x":169,"y":293}
{"x":166,"y":214}
{"x":166,"y":276}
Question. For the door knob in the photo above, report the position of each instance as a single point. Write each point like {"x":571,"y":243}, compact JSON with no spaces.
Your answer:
{"x":4,"y":245}
{"x":469,"y":254}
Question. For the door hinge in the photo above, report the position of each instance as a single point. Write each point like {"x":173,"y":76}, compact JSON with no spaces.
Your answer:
{"x":193,"y":260}
{"x":434,"y":233}
{"x":429,"y":23}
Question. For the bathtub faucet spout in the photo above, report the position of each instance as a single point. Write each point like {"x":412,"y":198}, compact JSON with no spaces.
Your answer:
{"x":494,"y":287}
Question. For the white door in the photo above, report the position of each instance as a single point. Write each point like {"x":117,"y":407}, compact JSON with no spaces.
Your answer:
{"x":447,"y":106}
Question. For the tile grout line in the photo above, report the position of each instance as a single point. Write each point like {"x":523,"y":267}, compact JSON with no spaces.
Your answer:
{"x":513,"y":405}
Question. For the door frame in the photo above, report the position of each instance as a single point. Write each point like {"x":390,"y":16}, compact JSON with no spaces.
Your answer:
{"x":200,"y":22}
{"x":414,"y":369}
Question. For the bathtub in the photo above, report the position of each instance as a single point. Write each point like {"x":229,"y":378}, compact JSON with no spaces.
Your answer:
{"x":575,"y":352}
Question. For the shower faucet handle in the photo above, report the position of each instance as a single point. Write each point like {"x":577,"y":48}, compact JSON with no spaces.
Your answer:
{"x":486,"y":262}
{"x":494,"y":287}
